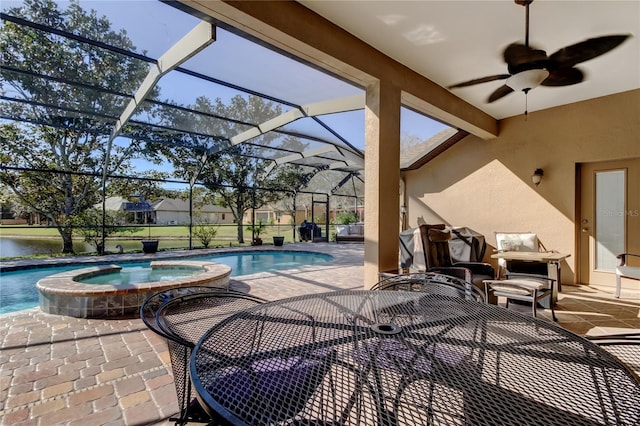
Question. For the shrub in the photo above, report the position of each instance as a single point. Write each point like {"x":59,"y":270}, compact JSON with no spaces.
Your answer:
{"x":205,"y":232}
{"x":346,"y":218}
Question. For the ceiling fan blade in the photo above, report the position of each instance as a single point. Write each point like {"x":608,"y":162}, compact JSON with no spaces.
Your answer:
{"x":520,"y":57}
{"x":500,"y":92}
{"x":585,"y":50}
{"x":563,"y":77}
{"x":481,"y":80}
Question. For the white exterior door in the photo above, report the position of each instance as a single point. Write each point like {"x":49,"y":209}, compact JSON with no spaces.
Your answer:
{"x":609,"y":217}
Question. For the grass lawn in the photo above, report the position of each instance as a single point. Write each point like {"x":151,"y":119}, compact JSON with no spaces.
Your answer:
{"x":225,"y":232}
{"x":171,"y":237}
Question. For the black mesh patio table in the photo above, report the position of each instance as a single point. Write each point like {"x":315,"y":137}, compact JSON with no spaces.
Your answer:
{"x":406,"y":358}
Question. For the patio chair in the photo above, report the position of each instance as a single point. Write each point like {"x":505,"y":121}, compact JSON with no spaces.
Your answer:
{"x":526,"y":288}
{"x":438,"y":259}
{"x":187,"y":318}
{"x":190,"y":411}
{"x":625,"y":271}
{"x":625,"y":347}
{"x":184,"y":320}
{"x":433,"y":283}
{"x":520,"y":241}
{"x":523,"y":280}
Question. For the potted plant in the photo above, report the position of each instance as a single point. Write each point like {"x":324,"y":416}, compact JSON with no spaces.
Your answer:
{"x":257,"y":229}
{"x":149,"y":245}
{"x":278,"y":240}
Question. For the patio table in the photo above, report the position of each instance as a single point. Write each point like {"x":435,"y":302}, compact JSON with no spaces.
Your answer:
{"x":405,"y":358}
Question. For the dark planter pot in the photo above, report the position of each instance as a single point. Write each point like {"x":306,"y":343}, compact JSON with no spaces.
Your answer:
{"x":257,"y":242}
{"x":278,"y":241}
{"x":149,"y":246}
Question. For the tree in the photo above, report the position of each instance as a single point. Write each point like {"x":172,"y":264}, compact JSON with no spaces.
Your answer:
{"x":235,"y":174}
{"x":55,"y":168}
{"x":149,"y":186}
{"x":346,"y":218}
{"x":89,"y":226}
{"x":293,"y":178}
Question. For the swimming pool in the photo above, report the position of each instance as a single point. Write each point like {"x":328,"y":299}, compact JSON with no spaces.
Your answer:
{"x":18,"y":288}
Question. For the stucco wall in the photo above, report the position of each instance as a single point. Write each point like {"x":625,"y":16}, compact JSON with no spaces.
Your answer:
{"x":486,"y":185}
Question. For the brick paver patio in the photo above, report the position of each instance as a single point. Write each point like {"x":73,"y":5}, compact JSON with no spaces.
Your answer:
{"x":61,"y":370}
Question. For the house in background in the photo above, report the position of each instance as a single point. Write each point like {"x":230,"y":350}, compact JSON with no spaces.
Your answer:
{"x":172,"y":211}
{"x":137,"y":210}
{"x":269,"y":215}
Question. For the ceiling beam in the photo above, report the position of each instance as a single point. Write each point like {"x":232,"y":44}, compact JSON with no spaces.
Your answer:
{"x":349,"y":103}
{"x":333,"y":106}
{"x":201,"y":36}
{"x":305,"y":154}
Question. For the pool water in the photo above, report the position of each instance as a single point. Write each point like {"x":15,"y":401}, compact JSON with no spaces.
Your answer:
{"x":140,"y":274}
{"x":18,"y":288}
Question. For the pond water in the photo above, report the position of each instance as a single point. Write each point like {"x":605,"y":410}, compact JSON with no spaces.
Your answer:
{"x":13,"y":247}
{"x":18,"y":288}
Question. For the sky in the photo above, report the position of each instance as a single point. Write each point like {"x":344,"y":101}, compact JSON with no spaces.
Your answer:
{"x":154,"y":26}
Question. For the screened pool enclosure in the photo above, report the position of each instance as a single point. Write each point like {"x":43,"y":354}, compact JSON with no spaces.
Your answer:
{"x":136,"y":98}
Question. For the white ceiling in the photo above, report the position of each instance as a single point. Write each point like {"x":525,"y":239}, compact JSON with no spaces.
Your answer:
{"x":455,"y":41}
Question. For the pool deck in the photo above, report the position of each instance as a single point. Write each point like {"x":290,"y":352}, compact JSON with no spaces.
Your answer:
{"x":58,"y":370}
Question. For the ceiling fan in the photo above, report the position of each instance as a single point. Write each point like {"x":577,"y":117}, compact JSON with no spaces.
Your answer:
{"x":530,"y":67}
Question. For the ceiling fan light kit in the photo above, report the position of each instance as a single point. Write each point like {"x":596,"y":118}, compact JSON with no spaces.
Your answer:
{"x":529,"y":67}
{"x":527,"y":80}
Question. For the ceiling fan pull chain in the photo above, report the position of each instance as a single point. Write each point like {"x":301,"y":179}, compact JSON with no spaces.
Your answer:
{"x":526,"y":33}
{"x":526,"y":104}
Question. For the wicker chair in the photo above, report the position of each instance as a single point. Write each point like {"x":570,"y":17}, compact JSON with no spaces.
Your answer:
{"x":433,"y":283}
{"x":435,"y":239}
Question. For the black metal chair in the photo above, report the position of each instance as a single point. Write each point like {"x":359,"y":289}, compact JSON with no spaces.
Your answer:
{"x":188,"y":318}
{"x":190,"y":411}
{"x":185,"y":319}
{"x":625,"y":347}
{"x":433,"y":283}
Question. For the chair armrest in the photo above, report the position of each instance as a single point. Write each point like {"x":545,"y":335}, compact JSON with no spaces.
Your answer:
{"x":453,"y":271}
{"x":623,"y":257}
{"x":477,"y":268}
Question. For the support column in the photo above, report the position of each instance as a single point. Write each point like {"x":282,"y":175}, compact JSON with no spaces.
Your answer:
{"x":382,"y":179}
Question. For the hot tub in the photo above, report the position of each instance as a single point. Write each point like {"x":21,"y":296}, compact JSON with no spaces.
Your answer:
{"x":64,"y":294}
